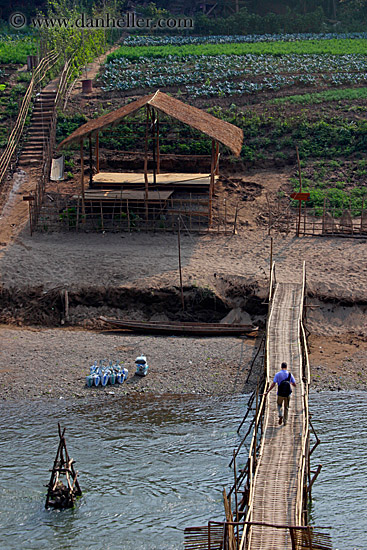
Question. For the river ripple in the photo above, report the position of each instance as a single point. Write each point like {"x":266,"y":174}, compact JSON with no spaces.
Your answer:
{"x":150,"y":467}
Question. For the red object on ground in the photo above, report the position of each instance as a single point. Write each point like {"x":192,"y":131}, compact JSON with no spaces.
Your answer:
{"x":300,"y":196}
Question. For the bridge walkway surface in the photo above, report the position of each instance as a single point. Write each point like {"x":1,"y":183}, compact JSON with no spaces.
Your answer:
{"x":277,"y":488}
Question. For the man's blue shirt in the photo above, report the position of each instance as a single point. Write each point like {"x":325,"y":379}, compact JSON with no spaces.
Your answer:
{"x":283,"y":375}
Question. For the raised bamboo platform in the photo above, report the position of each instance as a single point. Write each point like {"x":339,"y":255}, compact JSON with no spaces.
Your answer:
{"x":135,"y":180}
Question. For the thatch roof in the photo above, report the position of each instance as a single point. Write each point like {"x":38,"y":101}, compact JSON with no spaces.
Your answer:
{"x":224,"y":132}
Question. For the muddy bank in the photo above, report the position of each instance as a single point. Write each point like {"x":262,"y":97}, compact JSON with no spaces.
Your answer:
{"x":232,"y":301}
{"x":338,"y":362}
{"x":83,"y":306}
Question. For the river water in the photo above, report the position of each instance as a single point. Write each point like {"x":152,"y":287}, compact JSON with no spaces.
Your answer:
{"x":150,"y":467}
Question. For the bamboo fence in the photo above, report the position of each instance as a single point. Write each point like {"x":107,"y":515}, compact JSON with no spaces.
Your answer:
{"x":63,"y":212}
{"x":325,"y":221}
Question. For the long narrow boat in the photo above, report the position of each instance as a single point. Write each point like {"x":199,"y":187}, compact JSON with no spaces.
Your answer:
{"x":172,"y":327}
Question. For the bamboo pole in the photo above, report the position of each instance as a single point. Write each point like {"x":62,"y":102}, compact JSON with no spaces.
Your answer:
{"x":90,"y":162}
{"x":146,"y":164}
{"x":271,"y":255}
{"x":300,"y":190}
{"x":152,"y":116}
{"x":361,"y":228}
{"x":217,"y":158}
{"x":304,"y":217}
{"x":179,"y":263}
{"x":77,"y":214}
{"x":101,"y":211}
{"x":158,"y":151}
{"x":30,"y":218}
{"x":235,"y":221}
{"x":211,"y":186}
{"x":236,"y":493}
{"x":82,"y":179}
{"x":190,"y":218}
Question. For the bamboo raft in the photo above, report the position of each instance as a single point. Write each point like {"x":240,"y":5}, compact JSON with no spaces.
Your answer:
{"x":200,"y":329}
{"x":277,"y":488}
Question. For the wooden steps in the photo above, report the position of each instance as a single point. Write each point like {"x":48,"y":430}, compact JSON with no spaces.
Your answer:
{"x":39,"y":130}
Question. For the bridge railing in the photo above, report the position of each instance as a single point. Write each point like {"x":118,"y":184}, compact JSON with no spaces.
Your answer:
{"x":303,"y":466}
{"x":304,"y":384}
{"x":256,"y":446}
{"x":218,"y":536}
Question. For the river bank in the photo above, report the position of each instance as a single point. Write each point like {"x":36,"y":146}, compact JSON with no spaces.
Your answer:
{"x":135,"y":275}
{"x":53,"y":363}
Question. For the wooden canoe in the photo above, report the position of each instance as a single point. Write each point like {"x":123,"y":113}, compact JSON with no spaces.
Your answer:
{"x":172,"y":327}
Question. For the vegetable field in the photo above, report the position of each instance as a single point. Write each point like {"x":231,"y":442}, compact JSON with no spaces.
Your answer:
{"x":229,"y":69}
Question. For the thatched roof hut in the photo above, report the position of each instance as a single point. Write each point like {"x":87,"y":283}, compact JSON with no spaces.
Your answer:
{"x":229,"y":135}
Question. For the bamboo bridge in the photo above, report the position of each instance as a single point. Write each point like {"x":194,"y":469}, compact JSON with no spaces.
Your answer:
{"x":271,"y":491}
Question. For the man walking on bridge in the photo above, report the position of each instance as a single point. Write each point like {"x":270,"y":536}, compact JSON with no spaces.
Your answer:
{"x":284,"y":379}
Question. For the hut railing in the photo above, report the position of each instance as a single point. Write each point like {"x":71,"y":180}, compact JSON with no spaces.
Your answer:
{"x":60,"y":212}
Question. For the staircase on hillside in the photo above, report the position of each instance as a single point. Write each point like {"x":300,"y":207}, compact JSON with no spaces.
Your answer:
{"x":39,"y":130}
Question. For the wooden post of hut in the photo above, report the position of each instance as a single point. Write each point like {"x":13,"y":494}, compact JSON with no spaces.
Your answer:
{"x":82,"y":179}
{"x":158,"y":151}
{"x":211,"y":186}
{"x":90,"y":162}
{"x":60,"y":495}
{"x":146,"y":164}
{"x":97,"y":152}
{"x":217,"y":155}
{"x":153,"y":119}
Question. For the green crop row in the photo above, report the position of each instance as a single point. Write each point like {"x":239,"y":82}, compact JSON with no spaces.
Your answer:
{"x":314,"y":47}
{"x":337,"y":198}
{"x":326,"y":95}
{"x":265,"y":136}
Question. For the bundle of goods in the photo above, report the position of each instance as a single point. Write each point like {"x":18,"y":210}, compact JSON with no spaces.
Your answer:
{"x":106,"y":374}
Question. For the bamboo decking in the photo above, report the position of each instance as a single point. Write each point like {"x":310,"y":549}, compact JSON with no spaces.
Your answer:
{"x":276,"y":492}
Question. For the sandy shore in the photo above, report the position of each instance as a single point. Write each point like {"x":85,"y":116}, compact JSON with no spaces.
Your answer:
{"x":336,"y":268}
{"x":37,"y":363}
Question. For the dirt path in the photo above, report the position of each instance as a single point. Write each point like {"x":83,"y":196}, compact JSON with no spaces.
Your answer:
{"x":14,"y":217}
